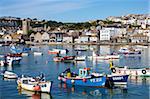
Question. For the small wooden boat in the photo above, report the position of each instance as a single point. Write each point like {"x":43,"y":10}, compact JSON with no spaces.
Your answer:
{"x":126,"y":52}
{"x":58,"y":51}
{"x":35,"y":84}
{"x":13,"y":60}
{"x":52,"y":52}
{"x":10,"y":60}
{"x":145,"y":72}
{"x":80,"y":58}
{"x":37,"y":53}
{"x":68,"y":59}
{"x":58,"y":59}
{"x":25,"y":54}
{"x":81,"y":48}
{"x":84,"y":78}
{"x":26,"y":49}
{"x":104,"y":57}
{"x":10,"y":75}
{"x":14,"y":55}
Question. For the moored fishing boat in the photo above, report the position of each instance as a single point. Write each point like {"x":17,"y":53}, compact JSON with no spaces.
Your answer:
{"x":14,"y":55}
{"x":141,"y":72}
{"x":114,"y":79}
{"x":118,"y":79}
{"x":84,"y":78}
{"x":58,"y":59}
{"x":13,"y":60}
{"x":9,"y":75}
{"x":145,"y":72}
{"x":58,"y":51}
{"x":37,"y":53}
{"x":104,"y":57}
{"x":35,"y":84}
{"x":25,"y":54}
{"x":130,"y":52}
{"x":68,"y":59}
{"x":80,"y":58}
{"x":81,"y":48}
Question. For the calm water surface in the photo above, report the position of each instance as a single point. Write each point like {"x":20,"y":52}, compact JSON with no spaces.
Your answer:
{"x":34,"y":65}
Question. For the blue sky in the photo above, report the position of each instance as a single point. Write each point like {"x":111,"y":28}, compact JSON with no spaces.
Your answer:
{"x":72,"y":10}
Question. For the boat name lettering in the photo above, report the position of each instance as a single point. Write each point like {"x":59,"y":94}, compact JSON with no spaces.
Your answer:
{"x":96,"y":80}
{"x":117,"y":78}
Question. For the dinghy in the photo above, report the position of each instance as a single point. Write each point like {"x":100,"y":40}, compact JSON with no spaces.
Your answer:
{"x":80,"y":58}
{"x":37,"y":53}
{"x":9,"y":75}
{"x":104,"y":57}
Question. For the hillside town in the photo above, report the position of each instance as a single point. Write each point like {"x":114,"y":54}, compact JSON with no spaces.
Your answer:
{"x":113,"y":30}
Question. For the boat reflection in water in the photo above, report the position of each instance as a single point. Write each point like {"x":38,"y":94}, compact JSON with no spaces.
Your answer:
{"x":139,"y":80}
{"x":34,"y":95}
{"x":86,"y":91}
{"x":101,"y":93}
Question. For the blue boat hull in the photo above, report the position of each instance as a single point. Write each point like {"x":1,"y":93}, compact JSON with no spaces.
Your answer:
{"x":122,"y":79}
{"x":92,"y":82}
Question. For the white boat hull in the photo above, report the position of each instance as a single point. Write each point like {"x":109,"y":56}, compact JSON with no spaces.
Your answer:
{"x":37,"y":53}
{"x":30,"y":87}
{"x":34,"y":84}
{"x":80,"y":58}
{"x":9,"y":75}
{"x":25,"y":54}
{"x":132,"y":72}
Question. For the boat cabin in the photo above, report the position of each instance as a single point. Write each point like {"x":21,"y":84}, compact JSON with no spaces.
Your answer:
{"x":84,"y":72}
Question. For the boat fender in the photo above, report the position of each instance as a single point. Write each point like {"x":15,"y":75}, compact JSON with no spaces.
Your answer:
{"x":64,"y":79}
{"x":59,"y":78}
{"x":119,"y":71}
{"x":113,"y":70}
{"x":136,"y":73}
{"x":84,"y":80}
{"x":124,"y":71}
{"x":144,"y":71}
{"x":37,"y":88}
{"x":72,"y":81}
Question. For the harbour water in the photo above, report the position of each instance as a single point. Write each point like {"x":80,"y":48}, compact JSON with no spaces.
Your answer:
{"x":34,"y":65}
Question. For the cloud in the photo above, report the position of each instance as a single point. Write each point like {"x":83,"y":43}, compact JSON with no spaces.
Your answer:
{"x":37,"y":7}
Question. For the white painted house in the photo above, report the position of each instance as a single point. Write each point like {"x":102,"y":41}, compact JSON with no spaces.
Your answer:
{"x":45,"y":37}
{"x":105,"y":34}
{"x":84,"y":38}
{"x":138,"y":38}
{"x":38,"y":37}
{"x":67,"y":38}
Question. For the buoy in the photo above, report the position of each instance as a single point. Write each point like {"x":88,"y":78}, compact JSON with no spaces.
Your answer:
{"x":84,"y":80}
{"x":119,"y":71}
{"x":37,"y":88}
{"x":72,"y":81}
{"x":64,"y":79}
{"x":59,"y":78}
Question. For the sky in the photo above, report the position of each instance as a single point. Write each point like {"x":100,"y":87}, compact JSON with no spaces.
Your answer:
{"x":72,"y":10}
